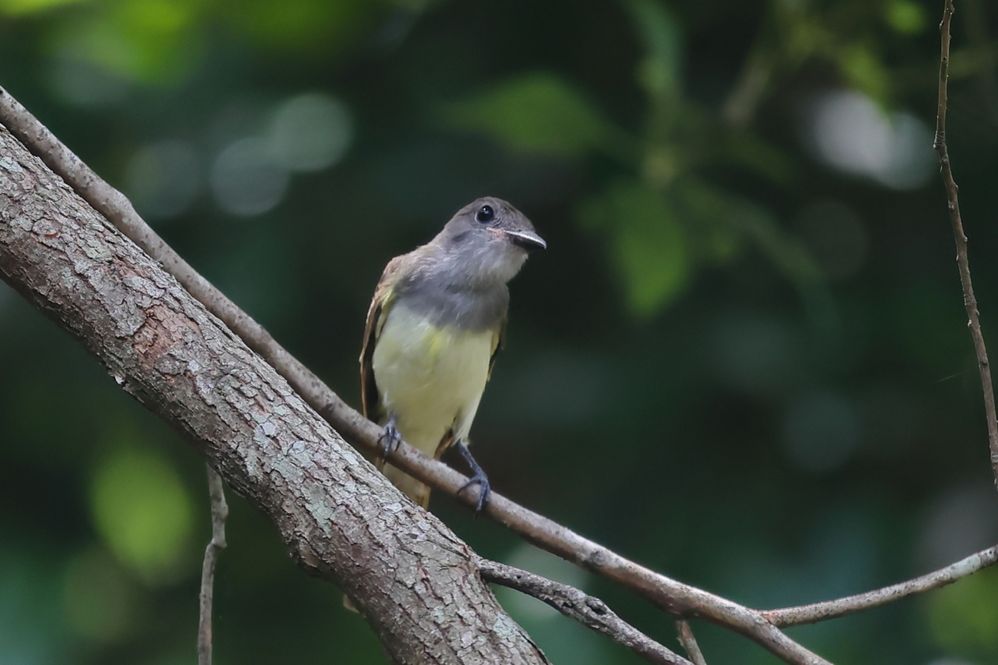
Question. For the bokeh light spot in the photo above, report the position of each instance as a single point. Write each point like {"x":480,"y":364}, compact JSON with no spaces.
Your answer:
{"x":96,"y":597}
{"x":850,"y":133}
{"x":245,"y":180}
{"x":162,"y":178}
{"x":310,"y":132}
{"x":142,"y":512}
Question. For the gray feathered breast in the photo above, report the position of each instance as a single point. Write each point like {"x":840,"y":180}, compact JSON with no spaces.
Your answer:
{"x":445,"y":303}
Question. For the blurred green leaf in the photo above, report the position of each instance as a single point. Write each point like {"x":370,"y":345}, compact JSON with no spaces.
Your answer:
{"x":537,"y":112}
{"x":142,"y":512}
{"x":963,"y":616}
{"x":24,"y":7}
{"x":659,"y":71}
{"x":721,"y":222}
{"x":758,"y":156}
{"x":864,"y":71}
{"x":306,"y":25}
{"x":155,"y":41}
{"x":648,"y":246}
{"x":906,"y":17}
{"x":707,"y":211}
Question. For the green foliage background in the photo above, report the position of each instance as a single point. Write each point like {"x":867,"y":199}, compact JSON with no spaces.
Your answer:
{"x":743,"y":360}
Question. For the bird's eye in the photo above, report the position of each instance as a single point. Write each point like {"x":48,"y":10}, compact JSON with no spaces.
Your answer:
{"x":485,"y":214}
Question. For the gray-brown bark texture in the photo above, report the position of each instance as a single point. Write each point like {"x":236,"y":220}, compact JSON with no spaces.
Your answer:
{"x":413,"y":579}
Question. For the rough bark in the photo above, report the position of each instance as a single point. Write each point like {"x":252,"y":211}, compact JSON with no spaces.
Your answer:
{"x":412,"y":578}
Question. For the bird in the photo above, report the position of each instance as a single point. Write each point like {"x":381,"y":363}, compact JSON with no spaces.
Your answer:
{"x":434,"y":327}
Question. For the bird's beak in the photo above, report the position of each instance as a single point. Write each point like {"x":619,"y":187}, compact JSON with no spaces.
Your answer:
{"x":527,"y":240}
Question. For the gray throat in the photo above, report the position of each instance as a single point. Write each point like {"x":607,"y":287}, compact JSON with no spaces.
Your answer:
{"x":446,"y":303}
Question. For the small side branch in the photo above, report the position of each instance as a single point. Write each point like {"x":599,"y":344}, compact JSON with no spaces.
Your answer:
{"x":962,"y":259}
{"x":219,"y":513}
{"x":792,"y":616}
{"x":582,"y":607}
{"x":689,"y":642}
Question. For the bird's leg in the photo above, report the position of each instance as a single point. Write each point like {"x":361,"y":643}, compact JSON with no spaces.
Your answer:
{"x":478,"y":477}
{"x":390,"y":438}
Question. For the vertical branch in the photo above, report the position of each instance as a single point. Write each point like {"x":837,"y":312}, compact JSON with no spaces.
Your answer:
{"x":962,"y":261}
{"x":689,"y":642}
{"x":219,"y":512}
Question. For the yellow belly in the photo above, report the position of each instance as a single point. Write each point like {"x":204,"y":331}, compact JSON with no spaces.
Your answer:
{"x":430,"y":378}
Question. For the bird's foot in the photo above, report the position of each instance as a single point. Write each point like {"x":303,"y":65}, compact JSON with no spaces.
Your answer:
{"x":390,"y":438}
{"x":478,"y":477}
{"x":485,"y":489}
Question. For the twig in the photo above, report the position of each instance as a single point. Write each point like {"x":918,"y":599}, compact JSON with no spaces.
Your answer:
{"x":831,"y":609}
{"x":689,"y":642}
{"x":962,"y":260}
{"x":743,"y":101}
{"x":582,"y":607}
{"x":219,"y":513}
{"x":674,"y":597}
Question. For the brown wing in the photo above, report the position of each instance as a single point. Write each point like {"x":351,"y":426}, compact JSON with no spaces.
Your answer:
{"x":380,"y":304}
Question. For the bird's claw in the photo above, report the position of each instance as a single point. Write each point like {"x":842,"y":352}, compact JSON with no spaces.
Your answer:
{"x":484,"y":489}
{"x":389,"y":440}
{"x":478,"y":477}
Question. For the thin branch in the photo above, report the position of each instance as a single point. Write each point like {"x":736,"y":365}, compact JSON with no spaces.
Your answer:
{"x":689,"y":642}
{"x":962,"y":260}
{"x":831,"y":609}
{"x":672,"y":596}
{"x":586,"y":609}
{"x":740,"y":107}
{"x":219,"y":513}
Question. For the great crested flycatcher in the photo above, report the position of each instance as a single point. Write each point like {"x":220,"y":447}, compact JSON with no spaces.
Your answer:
{"x":433,"y":330}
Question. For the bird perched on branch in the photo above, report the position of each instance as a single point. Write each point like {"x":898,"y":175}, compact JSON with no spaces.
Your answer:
{"x":433,"y":330}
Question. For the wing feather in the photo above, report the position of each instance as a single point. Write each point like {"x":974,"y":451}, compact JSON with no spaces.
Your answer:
{"x":376,"y":315}
{"x":498,"y":341}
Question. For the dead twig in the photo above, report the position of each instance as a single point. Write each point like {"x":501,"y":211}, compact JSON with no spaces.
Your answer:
{"x":831,"y":609}
{"x":689,"y":642}
{"x":586,"y":609}
{"x":962,"y":259}
{"x":219,"y":513}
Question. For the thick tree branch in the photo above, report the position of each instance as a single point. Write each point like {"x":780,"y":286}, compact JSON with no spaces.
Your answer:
{"x":831,"y":609}
{"x":339,"y":516}
{"x":962,"y":259}
{"x":582,"y":607}
{"x":219,"y":513}
{"x":674,"y":597}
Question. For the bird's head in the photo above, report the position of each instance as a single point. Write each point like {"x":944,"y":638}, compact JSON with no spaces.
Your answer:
{"x":490,"y":239}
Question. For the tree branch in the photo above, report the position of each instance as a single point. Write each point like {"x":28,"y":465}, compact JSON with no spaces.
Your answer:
{"x":219,"y":513}
{"x":689,"y":642}
{"x":582,"y":607}
{"x":832,"y":609}
{"x":341,"y":519}
{"x":962,"y":259}
{"x":674,"y":597}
